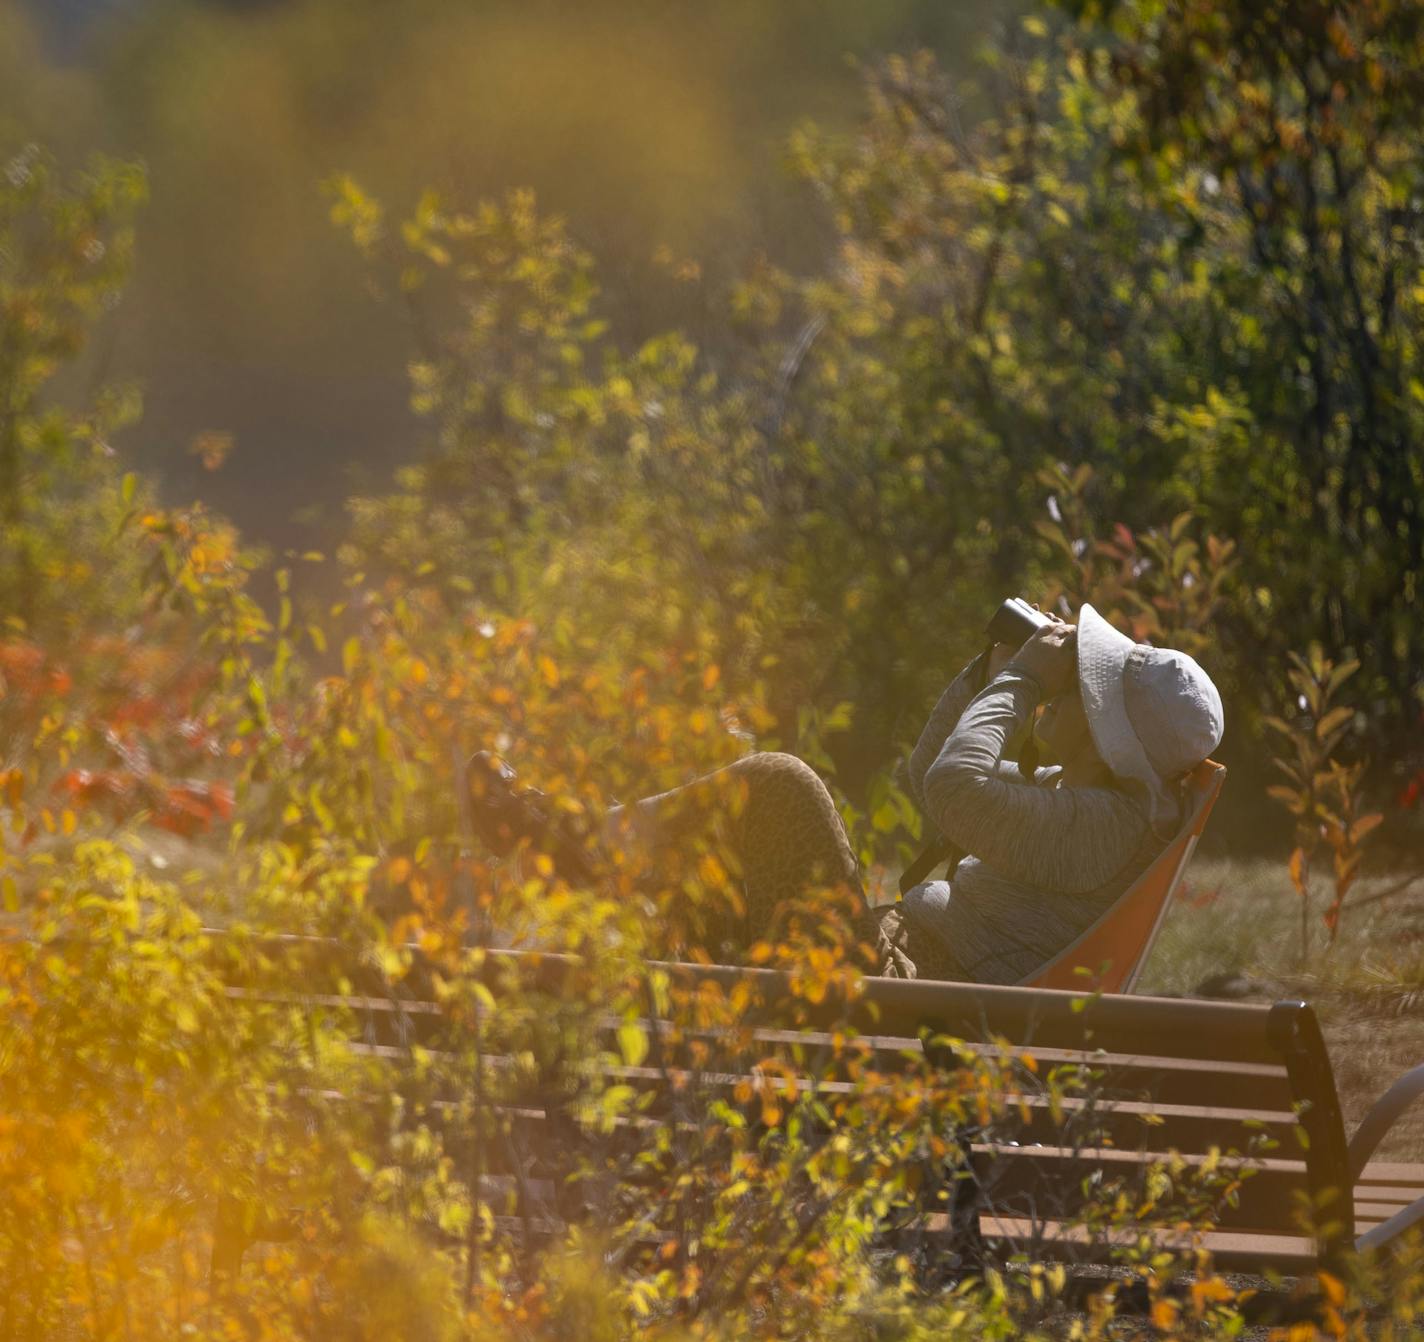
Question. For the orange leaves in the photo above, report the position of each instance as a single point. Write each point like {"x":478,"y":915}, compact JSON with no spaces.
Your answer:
{"x":398,"y":870}
{"x":1297,"y":868}
{"x":1165,"y":1313}
{"x":12,"y":785}
{"x":212,"y":448}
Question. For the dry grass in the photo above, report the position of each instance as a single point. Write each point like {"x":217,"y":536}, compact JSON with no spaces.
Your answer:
{"x":1244,"y":918}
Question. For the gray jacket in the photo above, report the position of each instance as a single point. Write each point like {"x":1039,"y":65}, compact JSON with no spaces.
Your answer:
{"x":1044,"y":860}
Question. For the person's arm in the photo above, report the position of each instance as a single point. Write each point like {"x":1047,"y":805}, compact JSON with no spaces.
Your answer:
{"x":941,"y":723}
{"x":1059,"y":839}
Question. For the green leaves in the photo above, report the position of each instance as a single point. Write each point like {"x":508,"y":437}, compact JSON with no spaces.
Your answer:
{"x":65,"y":252}
{"x":1323,"y":793}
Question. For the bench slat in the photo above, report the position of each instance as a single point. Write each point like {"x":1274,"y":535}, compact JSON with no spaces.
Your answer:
{"x":1290,"y":1255}
{"x":1174,"y":1081}
{"x":1037,"y":1017}
{"x":1040,"y":1180}
{"x":1406,"y":1175}
{"x":1125,"y":1124}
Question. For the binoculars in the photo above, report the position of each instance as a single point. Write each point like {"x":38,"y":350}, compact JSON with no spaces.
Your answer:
{"x":1015,"y":621}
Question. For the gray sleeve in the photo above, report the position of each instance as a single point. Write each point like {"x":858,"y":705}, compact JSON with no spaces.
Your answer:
{"x":941,"y":722}
{"x":1068,"y":839}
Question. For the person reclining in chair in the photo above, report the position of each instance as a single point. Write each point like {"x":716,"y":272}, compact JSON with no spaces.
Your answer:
{"x":1046,"y":855}
{"x":1046,"y":850}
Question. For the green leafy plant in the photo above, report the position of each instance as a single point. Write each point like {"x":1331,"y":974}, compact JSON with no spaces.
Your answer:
{"x":1322,"y":792}
{"x":1165,"y":585}
{"x":65,"y":252}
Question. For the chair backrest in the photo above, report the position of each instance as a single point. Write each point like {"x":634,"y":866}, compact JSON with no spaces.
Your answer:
{"x":1109,"y":956}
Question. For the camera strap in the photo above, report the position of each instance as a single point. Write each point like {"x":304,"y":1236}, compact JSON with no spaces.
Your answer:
{"x":920,"y":869}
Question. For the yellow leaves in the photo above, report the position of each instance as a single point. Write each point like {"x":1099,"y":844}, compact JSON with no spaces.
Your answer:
{"x":549,"y":671}
{"x":71,"y":1129}
{"x":633,"y":1042}
{"x":354,"y":212}
{"x":66,"y":1180}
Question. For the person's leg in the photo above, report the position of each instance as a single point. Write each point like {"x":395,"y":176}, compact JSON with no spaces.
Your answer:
{"x":776,"y":822}
{"x":902,"y":951}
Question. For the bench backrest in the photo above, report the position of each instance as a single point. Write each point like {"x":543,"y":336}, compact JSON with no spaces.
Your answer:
{"x":1109,"y":956}
{"x":1197,"y":1078}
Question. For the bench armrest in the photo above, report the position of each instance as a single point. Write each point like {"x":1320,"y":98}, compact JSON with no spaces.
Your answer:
{"x":1396,"y":1225}
{"x":1381,"y":1119}
{"x":1368,"y":1136}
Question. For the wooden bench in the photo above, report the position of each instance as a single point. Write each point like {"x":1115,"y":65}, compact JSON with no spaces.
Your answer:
{"x":1245,"y":1090}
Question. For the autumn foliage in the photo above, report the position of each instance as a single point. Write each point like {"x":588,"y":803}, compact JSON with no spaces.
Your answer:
{"x":623,"y":567}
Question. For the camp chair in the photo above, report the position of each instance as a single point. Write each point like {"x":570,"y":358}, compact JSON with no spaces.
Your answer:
{"x":1114,"y":949}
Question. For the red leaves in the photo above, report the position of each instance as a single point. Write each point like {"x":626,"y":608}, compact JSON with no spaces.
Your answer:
{"x":25,"y":673}
{"x":128,"y":721}
{"x":190,"y":807}
{"x":187,"y":807}
{"x":89,"y":787}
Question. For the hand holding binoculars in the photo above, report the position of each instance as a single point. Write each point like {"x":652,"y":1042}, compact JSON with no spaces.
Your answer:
{"x":1015,"y":622}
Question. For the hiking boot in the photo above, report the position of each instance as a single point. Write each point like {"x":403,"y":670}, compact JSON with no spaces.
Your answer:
{"x":504,"y":816}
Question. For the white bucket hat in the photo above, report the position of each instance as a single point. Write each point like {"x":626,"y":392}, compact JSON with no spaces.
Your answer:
{"x":1154,"y":714}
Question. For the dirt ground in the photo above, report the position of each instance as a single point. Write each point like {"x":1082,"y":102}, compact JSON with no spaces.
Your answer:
{"x":1367,"y":1055}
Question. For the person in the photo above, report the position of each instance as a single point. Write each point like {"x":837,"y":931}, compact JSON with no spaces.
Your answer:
{"x":1047,"y":854}
{"x":1046,"y":850}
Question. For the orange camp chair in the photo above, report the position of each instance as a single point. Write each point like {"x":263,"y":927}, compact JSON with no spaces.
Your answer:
{"x":1114,"y":949}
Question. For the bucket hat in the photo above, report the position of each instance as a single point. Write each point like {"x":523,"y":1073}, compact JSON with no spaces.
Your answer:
{"x":1154,"y":714}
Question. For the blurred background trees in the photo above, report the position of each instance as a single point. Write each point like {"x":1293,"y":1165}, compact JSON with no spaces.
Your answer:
{"x":1099,"y":303}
